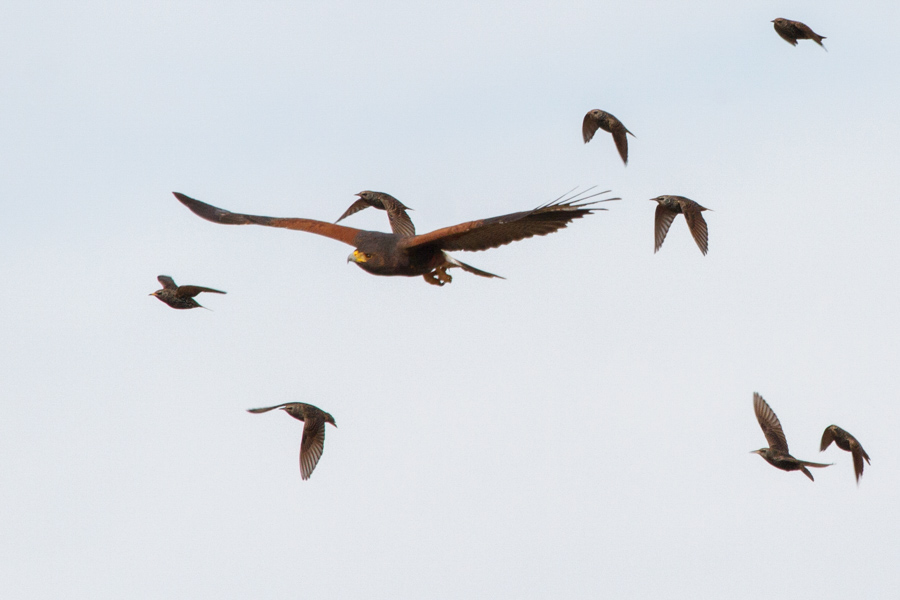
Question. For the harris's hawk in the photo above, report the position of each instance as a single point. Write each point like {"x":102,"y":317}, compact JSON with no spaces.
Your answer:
{"x":427,"y":255}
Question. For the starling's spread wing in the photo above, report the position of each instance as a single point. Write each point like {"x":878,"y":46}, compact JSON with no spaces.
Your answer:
{"x":498,"y":231}
{"x":591,"y":123}
{"x":696,"y":223}
{"x":662,"y":222}
{"x":311,"y":446}
{"x":189,"y":291}
{"x":266,"y":409}
{"x":770,"y":425}
{"x":219,"y":215}
{"x":618,"y":132}
{"x":827,"y":438}
{"x":167,"y":282}
{"x":354,"y":208}
{"x":401,"y":224}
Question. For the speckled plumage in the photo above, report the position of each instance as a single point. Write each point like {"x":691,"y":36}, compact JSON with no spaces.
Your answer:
{"x":601,"y":119}
{"x":668,"y":207}
{"x":845,"y":441}
{"x":777,"y":453}
{"x":180,"y":296}
{"x":312,"y":444}
{"x":791,"y":31}
{"x":400,"y":222}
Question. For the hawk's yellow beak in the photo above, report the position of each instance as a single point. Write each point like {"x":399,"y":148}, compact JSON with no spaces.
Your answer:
{"x":357,"y":257}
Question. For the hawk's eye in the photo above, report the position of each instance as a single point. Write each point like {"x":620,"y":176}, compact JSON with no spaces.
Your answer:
{"x":367,"y":255}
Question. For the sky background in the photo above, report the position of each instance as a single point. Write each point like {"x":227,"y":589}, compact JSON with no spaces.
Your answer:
{"x":581,"y":429}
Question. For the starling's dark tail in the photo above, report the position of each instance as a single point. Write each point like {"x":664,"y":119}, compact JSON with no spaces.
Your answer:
{"x":806,"y":463}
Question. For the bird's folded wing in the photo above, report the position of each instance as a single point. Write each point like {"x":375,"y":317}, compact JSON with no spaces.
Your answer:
{"x":219,"y":215}
{"x":498,"y":231}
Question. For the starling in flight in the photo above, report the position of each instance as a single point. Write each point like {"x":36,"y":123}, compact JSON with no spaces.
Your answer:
{"x":847,"y":442}
{"x":401,"y":224}
{"x":426,"y":254}
{"x":791,"y":31}
{"x":777,"y":453}
{"x":180,"y":296}
{"x":670,"y":206}
{"x":607,"y":122}
{"x":313,"y":442}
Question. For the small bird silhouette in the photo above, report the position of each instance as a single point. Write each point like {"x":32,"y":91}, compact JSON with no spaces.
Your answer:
{"x":400,"y":222}
{"x":777,"y":453}
{"x":668,"y":208}
{"x":791,"y":31}
{"x":845,"y":441}
{"x":180,"y":296}
{"x":312,"y":444}
{"x":597,"y":118}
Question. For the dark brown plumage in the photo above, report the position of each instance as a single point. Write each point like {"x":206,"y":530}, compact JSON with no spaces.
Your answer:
{"x":777,"y":453}
{"x":313,"y":442}
{"x":400,"y":222}
{"x":597,"y":118}
{"x":791,"y":31}
{"x":668,"y":208}
{"x":845,"y":441}
{"x":426,"y":255}
{"x":180,"y":296}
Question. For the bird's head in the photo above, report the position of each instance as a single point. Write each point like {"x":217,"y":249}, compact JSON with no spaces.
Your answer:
{"x":330,"y":419}
{"x":761,"y":451}
{"x":778,"y":21}
{"x":367,"y":261}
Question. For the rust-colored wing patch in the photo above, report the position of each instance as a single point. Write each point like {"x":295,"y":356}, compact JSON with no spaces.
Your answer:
{"x":224,"y":217}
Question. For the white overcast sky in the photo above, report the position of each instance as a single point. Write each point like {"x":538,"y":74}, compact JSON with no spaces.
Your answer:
{"x":579,"y":430}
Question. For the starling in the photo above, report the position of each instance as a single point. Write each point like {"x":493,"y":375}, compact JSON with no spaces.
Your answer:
{"x":607,"y":122}
{"x":313,"y":442}
{"x":668,"y":207}
{"x":777,"y":453}
{"x":400,"y":222}
{"x":791,"y":31}
{"x":180,"y":296}
{"x":426,"y":254}
{"x":847,"y":442}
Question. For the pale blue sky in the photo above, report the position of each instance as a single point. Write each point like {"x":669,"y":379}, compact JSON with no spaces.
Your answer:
{"x":581,"y":429}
